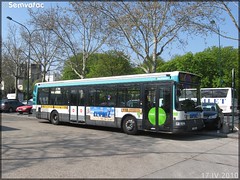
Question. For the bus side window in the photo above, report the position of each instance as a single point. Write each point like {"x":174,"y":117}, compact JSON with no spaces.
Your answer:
{"x":43,"y":96}
{"x":166,"y":101}
{"x":93,"y":97}
{"x":73,"y":97}
{"x":166,"y":104}
{"x":81,"y":98}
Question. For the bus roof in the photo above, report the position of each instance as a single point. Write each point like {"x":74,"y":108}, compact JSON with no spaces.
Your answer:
{"x":216,"y":88}
{"x":117,"y":79}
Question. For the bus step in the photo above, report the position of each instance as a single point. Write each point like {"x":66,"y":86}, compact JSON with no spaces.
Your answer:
{"x":77,"y":122}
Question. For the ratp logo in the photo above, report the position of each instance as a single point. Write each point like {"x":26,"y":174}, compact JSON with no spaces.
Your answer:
{"x":25,"y":5}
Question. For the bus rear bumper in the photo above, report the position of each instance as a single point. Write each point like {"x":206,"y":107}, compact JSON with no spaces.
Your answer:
{"x":188,"y":125}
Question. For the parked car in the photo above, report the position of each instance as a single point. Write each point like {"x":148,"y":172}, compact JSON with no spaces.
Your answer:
{"x":9,"y":105}
{"x":212,"y":115}
{"x":25,"y":101}
{"x":25,"y":108}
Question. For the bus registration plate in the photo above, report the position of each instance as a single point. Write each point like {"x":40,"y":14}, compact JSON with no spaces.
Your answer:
{"x":194,"y":128}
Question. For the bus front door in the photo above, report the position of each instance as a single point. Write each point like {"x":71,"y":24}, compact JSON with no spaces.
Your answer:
{"x":157,"y":108}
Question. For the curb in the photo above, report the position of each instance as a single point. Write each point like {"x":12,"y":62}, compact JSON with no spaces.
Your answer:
{"x":234,"y":135}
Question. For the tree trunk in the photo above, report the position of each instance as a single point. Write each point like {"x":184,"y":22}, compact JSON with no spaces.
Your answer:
{"x":154,"y":56}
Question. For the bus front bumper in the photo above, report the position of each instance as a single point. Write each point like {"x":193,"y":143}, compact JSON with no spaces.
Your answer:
{"x":187,"y":125}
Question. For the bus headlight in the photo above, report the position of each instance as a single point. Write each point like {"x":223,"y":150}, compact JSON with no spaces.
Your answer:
{"x":180,"y":123}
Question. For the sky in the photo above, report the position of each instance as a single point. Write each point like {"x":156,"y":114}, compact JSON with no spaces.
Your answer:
{"x":196,"y":44}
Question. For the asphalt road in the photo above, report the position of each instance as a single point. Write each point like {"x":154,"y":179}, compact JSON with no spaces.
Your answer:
{"x":34,"y":148}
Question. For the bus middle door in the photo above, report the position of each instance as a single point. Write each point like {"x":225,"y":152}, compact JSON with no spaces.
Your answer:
{"x":73,"y":105}
{"x":76,"y":105}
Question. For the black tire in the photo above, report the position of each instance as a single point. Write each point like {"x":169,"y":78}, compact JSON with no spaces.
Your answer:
{"x":30,"y":111}
{"x":10,"y":110}
{"x":219,"y":124}
{"x":55,"y":118}
{"x":129,"y":125}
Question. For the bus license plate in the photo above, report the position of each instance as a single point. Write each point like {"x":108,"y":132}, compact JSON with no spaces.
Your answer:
{"x":194,"y":128}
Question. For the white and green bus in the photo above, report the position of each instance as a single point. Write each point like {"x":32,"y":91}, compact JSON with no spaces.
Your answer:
{"x":149,"y":102}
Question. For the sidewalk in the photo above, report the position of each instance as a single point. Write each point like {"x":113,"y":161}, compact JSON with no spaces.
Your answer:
{"x":235,"y":134}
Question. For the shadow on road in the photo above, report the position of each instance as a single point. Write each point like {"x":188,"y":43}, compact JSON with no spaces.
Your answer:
{"x":5,"y":128}
{"x":188,"y":136}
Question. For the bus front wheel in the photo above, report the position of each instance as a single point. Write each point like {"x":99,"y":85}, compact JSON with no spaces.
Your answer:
{"x":55,"y":118}
{"x":130,"y":125}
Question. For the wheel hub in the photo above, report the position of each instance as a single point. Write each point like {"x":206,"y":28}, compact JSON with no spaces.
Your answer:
{"x":130,"y":125}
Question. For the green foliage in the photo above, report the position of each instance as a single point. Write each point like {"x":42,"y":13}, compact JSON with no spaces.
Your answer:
{"x":205,"y":64}
{"x":109,"y":64}
{"x":68,"y":72}
{"x":180,"y":63}
{"x":229,"y":60}
{"x":112,"y":63}
{"x":213,"y":65}
{"x":137,"y":70}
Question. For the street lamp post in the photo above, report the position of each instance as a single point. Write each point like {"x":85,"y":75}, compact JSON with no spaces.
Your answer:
{"x":219,"y":52}
{"x":29,"y":53}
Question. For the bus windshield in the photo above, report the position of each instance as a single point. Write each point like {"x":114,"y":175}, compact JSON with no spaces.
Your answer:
{"x":188,"y":98}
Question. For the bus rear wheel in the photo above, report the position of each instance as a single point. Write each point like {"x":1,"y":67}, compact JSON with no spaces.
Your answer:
{"x":55,"y":118}
{"x":130,"y":125}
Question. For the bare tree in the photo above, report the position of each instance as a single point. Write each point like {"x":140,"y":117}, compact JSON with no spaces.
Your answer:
{"x":45,"y":47}
{"x":225,"y":6}
{"x":80,"y":29}
{"x":13,"y":58}
{"x":147,"y":28}
{"x":144,"y":29}
{"x":45,"y":50}
{"x":7,"y":77}
{"x":91,"y":26}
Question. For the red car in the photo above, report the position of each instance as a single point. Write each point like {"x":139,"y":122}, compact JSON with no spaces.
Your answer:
{"x":25,"y":109}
